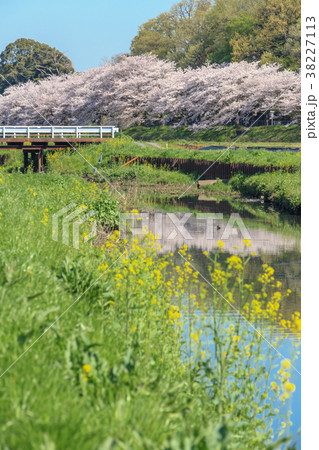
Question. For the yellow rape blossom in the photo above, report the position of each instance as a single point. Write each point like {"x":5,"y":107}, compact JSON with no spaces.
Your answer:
{"x":289,"y":387}
{"x":86,"y":371}
{"x":285,"y":364}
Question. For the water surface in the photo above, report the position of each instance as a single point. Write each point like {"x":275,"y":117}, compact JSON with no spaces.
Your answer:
{"x":275,"y":240}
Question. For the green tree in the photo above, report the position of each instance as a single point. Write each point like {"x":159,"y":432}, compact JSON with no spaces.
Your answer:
{"x":291,"y":50}
{"x":275,"y":37}
{"x":156,"y":36}
{"x":178,"y":35}
{"x":226,"y":18}
{"x":193,"y":32}
{"x":26,"y":59}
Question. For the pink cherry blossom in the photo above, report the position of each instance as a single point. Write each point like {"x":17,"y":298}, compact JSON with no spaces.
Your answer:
{"x":145,"y":90}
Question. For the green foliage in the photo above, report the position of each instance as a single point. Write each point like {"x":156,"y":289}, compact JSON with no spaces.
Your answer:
{"x":106,"y":211}
{"x":276,"y":35}
{"x":77,"y":276}
{"x":67,"y":162}
{"x":177,"y":35}
{"x":282,"y":189}
{"x":228,"y":18}
{"x":147,"y":173}
{"x":196,"y":31}
{"x":26,"y":59}
{"x":291,"y":49}
{"x":155,"y":36}
{"x":13,"y":160}
{"x":220,"y":188}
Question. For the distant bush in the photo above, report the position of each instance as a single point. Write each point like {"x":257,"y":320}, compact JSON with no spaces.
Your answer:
{"x":280,"y":188}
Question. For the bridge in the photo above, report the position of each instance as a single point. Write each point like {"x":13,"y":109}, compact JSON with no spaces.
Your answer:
{"x":33,"y":140}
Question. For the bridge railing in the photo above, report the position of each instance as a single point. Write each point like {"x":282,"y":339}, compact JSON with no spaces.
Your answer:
{"x":57,"y":131}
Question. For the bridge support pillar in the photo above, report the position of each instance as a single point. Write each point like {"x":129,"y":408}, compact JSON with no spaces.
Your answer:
{"x":36,"y":159}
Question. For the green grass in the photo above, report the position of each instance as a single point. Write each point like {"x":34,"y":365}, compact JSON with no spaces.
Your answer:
{"x":218,"y":189}
{"x":114,"y":371}
{"x":132,"y":399}
{"x":276,"y":133}
{"x":147,"y":174}
{"x":255,"y":157}
{"x":282,"y":189}
{"x":71,"y":163}
{"x":126,"y":147}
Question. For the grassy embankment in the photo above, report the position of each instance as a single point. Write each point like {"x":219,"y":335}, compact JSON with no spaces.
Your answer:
{"x":280,"y":188}
{"x":268,"y":135}
{"x":116,"y":370}
{"x":128,"y":148}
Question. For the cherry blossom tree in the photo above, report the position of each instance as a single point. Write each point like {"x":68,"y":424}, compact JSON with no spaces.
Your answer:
{"x":145,"y":90}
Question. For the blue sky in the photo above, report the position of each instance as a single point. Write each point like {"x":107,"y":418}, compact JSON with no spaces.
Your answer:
{"x":85,"y":30}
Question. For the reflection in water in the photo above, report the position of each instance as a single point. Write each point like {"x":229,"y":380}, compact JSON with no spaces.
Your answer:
{"x":203,"y":233}
{"x":275,"y":241}
{"x":287,"y":271}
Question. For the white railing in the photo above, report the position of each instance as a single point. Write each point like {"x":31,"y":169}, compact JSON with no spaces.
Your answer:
{"x":56,"y":132}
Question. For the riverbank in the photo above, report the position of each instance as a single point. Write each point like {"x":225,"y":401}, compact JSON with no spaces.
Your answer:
{"x":76,"y":385}
{"x":155,"y":170}
{"x":270,"y":134}
{"x":281,"y":189}
{"x":127,"y":148}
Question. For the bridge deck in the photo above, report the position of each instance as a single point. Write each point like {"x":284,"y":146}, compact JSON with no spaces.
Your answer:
{"x":24,"y":143}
